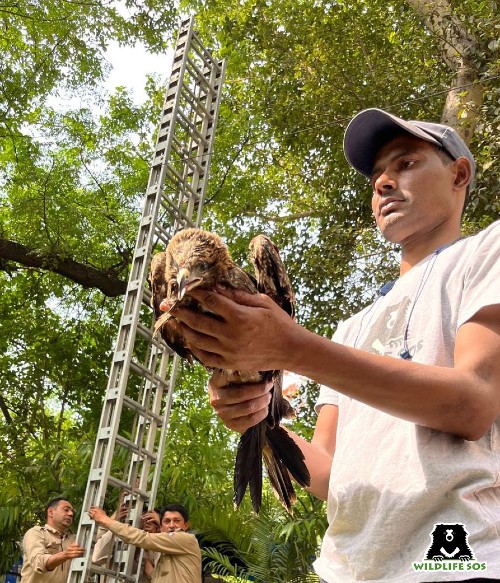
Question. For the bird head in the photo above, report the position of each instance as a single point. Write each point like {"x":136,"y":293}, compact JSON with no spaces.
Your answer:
{"x":184,"y":281}
{"x":193,"y":258}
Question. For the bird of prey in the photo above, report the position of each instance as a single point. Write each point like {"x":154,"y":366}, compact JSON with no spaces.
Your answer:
{"x":197,"y":258}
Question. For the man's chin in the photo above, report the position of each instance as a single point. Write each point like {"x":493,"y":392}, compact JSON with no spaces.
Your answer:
{"x":390,"y":228}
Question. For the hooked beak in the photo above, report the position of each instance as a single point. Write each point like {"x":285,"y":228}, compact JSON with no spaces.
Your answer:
{"x":186,"y":283}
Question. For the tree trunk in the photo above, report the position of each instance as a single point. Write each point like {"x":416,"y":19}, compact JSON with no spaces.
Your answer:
{"x":465,"y":97}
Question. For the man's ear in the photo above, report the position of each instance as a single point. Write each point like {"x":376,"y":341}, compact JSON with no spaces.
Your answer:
{"x":463,"y":172}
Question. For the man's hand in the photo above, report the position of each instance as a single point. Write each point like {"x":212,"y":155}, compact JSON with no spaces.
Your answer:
{"x":122,"y":512}
{"x":74,"y":551}
{"x":150,"y":521}
{"x":239,"y":407}
{"x":99,"y":516}
{"x":250,"y":332}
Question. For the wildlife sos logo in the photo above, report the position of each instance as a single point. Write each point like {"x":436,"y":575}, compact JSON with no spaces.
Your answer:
{"x":449,"y":551}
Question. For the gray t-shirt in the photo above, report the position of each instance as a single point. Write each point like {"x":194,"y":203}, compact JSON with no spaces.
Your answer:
{"x":393,"y":481}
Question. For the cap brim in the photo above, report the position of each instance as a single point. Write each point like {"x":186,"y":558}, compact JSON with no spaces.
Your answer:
{"x":371,"y":129}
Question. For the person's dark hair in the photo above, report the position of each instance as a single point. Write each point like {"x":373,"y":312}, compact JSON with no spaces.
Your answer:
{"x":53,"y":504}
{"x":175,"y":508}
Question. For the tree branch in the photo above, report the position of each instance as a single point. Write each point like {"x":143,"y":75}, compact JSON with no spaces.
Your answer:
{"x":5,"y":410}
{"x":84,"y":275}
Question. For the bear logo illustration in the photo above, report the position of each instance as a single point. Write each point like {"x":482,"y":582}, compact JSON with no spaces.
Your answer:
{"x":449,"y":543}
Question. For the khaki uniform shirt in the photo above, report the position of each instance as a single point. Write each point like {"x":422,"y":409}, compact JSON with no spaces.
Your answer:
{"x":180,"y":555}
{"x":105,"y":552}
{"x":39,"y":544}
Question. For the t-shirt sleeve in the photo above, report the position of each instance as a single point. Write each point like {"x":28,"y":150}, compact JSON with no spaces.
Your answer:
{"x":482,"y":279}
{"x":327,"y":395}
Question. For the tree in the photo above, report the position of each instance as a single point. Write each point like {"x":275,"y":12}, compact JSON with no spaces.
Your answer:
{"x":297,"y":72}
{"x":57,"y":248}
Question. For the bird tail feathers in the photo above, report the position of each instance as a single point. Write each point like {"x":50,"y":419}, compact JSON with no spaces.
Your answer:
{"x":248,"y":465}
{"x":282,"y":458}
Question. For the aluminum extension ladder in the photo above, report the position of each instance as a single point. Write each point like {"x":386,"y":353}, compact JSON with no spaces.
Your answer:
{"x":130,"y":442}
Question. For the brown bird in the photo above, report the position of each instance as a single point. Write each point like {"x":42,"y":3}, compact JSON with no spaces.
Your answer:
{"x":197,"y":258}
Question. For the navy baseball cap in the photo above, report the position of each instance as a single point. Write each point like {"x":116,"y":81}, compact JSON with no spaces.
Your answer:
{"x":370,"y":129}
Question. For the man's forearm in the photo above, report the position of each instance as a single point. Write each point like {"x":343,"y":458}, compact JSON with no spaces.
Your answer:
{"x":318,"y":463}
{"x":55,"y":560}
{"x":452,"y":400}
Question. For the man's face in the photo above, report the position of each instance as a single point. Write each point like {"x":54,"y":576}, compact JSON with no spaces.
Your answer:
{"x":413,"y":190}
{"x":61,"y":516}
{"x":173,"y":521}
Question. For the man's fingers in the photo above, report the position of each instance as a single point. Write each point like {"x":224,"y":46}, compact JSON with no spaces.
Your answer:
{"x":74,"y":551}
{"x":221,"y":302}
{"x":221,"y":394}
{"x":241,"y":407}
{"x":198,"y":325}
{"x":240,"y":419}
{"x":244,"y":298}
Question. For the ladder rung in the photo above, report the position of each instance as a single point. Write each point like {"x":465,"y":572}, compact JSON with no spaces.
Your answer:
{"x":146,"y":413}
{"x":146,"y":373}
{"x":128,"y":488}
{"x":133,"y":447}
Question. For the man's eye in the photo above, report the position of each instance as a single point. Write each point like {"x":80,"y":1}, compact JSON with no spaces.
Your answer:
{"x":408,"y":164}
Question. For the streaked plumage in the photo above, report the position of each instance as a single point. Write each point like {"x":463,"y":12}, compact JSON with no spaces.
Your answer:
{"x":198,"y":258}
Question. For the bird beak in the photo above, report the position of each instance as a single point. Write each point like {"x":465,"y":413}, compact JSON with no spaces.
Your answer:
{"x":185,"y":283}
{"x":182,"y":277}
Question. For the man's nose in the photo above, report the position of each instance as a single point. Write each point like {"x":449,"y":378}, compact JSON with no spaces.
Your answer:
{"x":384,"y":183}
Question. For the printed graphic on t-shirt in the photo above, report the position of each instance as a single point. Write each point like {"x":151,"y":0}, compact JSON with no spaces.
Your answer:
{"x":387,"y":330}
{"x":449,"y":551}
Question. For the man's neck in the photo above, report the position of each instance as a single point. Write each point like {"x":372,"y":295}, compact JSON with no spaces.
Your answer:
{"x":412,"y":252}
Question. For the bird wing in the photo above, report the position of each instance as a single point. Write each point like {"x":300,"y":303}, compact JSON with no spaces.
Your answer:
{"x":158,"y":282}
{"x":270,"y":273}
{"x":237,"y":278}
{"x":272,"y":280}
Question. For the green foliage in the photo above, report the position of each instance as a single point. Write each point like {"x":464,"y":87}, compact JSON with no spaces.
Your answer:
{"x":270,"y":548}
{"x":198,"y":467}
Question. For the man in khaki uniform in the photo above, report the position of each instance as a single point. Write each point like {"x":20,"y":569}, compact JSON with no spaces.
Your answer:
{"x":180,"y":555}
{"x":48,"y":550}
